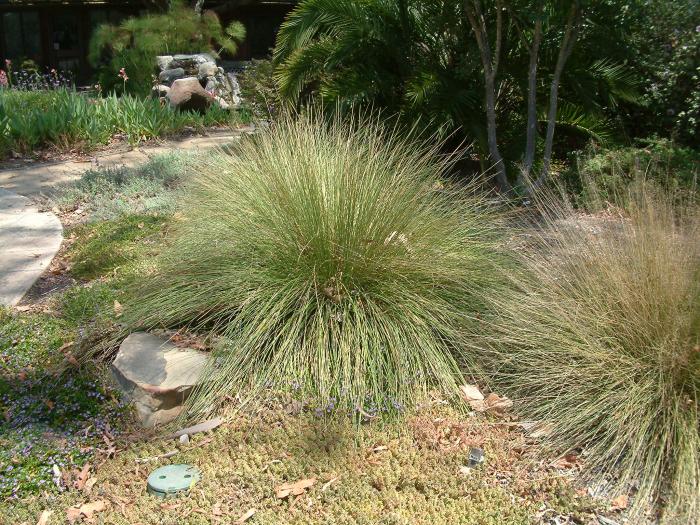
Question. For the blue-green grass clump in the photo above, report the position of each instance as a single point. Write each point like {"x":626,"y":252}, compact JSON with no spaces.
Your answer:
{"x":329,"y":256}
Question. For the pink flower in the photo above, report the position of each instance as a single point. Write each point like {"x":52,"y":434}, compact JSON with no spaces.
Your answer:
{"x":123,"y":75}
{"x":8,"y":63}
{"x":3,"y":79}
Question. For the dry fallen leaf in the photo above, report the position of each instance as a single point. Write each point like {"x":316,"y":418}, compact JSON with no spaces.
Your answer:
{"x":471,"y":393}
{"x":44,"y":518}
{"x":620,"y":502}
{"x":89,"y":484}
{"x":497,"y":403}
{"x":82,"y":477}
{"x":567,"y":461}
{"x":86,"y":510}
{"x":71,"y":359}
{"x":294,"y":489}
{"x":73,"y":514}
{"x":245,"y":517}
{"x":66,"y":346}
{"x":206,"y":426}
{"x":329,"y":483}
{"x":118,"y":308}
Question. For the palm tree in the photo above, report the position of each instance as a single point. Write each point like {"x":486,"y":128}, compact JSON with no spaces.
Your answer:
{"x":492,"y":71}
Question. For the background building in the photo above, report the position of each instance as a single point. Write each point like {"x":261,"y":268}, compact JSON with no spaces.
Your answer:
{"x":56,"y":33}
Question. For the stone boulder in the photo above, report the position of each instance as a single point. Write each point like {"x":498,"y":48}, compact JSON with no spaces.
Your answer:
{"x":171,"y":75}
{"x":163,"y":62}
{"x":222,"y":86}
{"x":207,"y":69}
{"x":191,"y":63}
{"x":188,"y":94}
{"x":160,"y":91}
{"x":156,"y":376}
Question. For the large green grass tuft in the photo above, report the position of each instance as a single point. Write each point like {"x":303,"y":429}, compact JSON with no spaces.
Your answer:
{"x":601,"y":339}
{"x":332,"y":260}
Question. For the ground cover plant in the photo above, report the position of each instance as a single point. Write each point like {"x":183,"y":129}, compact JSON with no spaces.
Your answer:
{"x":389,"y":473}
{"x":601,"y":339}
{"x":112,"y":192}
{"x":51,"y":422}
{"x":69,"y":120}
{"x":329,"y":256}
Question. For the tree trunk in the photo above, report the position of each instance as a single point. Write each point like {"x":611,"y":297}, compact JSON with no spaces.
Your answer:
{"x":567,"y":46}
{"x":490,"y":65}
{"x":531,"y":132}
{"x":494,"y":152}
{"x":198,"y":7}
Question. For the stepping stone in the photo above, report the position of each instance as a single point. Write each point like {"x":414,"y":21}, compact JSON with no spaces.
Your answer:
{"x":29,"y":240}
{"x":157,"y":376}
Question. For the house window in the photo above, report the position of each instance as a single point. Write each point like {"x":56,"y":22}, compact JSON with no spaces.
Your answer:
{"x":22,"y":35}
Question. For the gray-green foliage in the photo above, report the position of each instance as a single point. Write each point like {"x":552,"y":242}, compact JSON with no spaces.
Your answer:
{"x":108,"y":193}
{"x":330,"y":257}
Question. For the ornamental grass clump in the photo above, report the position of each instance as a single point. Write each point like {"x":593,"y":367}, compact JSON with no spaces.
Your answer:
{"x":600,"y":339}
{"x":329,"y":258}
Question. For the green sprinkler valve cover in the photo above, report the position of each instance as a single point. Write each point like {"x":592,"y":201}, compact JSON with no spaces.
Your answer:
{"x":172,"y":481}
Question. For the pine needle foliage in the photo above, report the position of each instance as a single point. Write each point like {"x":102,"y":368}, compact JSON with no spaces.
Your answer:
{"x":600,"y":338}
{"x":327,"y":256}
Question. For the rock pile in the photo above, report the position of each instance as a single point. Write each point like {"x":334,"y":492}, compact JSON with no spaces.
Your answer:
{"x":194,"y":82}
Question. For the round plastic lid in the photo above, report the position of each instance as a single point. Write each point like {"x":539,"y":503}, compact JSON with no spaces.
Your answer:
{"x":172,"y":480}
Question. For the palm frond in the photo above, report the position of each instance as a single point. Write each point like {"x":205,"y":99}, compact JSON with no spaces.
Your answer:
{"x":575,"y":117}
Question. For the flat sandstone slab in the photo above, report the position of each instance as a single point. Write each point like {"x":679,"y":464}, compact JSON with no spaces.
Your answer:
{"x":157,"y":376}
{"x":29,"y":239}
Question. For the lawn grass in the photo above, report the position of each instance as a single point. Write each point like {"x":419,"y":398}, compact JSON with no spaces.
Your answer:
{"x":104,"y":247}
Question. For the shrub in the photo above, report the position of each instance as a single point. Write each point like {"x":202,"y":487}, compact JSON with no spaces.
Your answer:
{"x":601,"y":339}
{"x":258,"y":87}
{"x":609,"y":173}
{"x":329,"y":260}
{"x":135,"y":43}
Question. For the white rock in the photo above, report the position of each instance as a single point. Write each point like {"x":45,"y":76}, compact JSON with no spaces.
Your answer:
{"x":164,"y":61}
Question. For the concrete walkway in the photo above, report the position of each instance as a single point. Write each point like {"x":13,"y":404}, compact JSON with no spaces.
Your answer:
{"x":37,"y":179}
{"x":29,"y":239}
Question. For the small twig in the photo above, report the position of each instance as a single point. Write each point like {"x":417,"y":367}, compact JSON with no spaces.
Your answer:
{"x":156,"y":458}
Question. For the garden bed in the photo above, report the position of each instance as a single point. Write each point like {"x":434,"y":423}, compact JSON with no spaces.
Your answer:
{"x":389,"y":472}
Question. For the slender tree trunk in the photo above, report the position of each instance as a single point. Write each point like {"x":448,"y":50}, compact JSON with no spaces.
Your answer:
{"x":567,"y":45}
{"x":490,"y":65}
{"x":198,"y":7}
{"x":531,"y":132}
